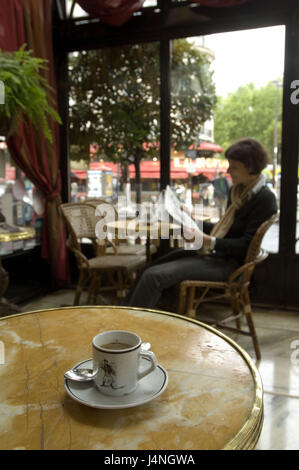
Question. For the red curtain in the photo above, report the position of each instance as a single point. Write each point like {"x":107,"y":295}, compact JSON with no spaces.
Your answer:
{"x":29,"y":21}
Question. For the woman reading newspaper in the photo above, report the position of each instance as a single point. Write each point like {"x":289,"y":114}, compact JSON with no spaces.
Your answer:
{"x":224,"y":245}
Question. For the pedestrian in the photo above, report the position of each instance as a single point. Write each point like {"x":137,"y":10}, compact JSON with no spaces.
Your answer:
{"x":221,"y":192}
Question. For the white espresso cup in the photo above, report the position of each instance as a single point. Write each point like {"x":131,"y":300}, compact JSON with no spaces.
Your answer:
{"x":116,"y":357}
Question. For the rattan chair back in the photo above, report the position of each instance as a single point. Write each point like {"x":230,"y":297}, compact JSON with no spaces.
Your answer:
{"x":254,"y":248}
{"x":104,"y":208}
{"x":81,"y":220}
{"x":81,"y":217}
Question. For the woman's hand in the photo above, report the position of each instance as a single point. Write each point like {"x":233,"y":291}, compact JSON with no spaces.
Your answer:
{"x":187,"y":210}
{"x":197,"y":235}
{"x":206,"y":241}
{"x":201,"y":239}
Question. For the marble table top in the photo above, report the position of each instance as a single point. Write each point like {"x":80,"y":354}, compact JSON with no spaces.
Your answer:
{"x":214,"y":397}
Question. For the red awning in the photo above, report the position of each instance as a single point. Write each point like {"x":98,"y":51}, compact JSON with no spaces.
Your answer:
{"x":148,"y":170}
{"x":151,"y":170}
{"x":104,"y":166}
{"x":81,"y":174}
{"x":207,"y":146}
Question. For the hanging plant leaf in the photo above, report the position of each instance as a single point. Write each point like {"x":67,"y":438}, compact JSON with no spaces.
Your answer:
{"x":27,"y":94}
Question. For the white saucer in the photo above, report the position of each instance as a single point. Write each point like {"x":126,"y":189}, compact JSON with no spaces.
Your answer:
{"x":148,"y":388}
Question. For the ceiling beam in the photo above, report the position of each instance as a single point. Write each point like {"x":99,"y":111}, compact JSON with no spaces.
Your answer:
{"x":178,"y":21}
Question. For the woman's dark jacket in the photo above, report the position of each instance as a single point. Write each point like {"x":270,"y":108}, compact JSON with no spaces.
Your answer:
{"x":257,"y":210}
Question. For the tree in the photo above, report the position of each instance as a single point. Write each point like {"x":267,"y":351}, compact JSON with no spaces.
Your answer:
{"x":115,"y":100}
{"x":249,"y":112}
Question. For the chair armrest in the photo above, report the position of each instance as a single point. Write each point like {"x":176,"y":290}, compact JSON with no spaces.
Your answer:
{"x":241,"y":271}
{"x":248,"y":267}
{"x":80,"y":257}
{"x":102,"y":245}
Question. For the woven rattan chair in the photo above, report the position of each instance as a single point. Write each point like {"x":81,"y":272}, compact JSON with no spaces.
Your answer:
{"x":122,"y":246}
{"x":236,"y":289}
{"x":103,"y":271}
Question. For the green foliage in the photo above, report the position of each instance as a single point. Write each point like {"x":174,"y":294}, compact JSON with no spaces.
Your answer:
{"x":249,"y":112}
{"x":115,"y":98}
{"x":192,"y":93}
{"x":27,"y":92}
{"x":112,"y":93}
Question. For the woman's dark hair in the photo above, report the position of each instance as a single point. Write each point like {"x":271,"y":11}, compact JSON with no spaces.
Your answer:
{"x":250,"y":152}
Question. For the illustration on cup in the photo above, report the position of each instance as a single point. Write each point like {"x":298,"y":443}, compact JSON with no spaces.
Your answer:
{"x":109,"y":375}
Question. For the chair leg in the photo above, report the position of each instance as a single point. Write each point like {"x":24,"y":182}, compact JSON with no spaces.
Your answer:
{"x":236,"y":307}
{"x":121,"y":291}
{"x":182,"y":299}
{"x":93,"y":288}
{"x":248,"y":315}
{"x":81,"y":282}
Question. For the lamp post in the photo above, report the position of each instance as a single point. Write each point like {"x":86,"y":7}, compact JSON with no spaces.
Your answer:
{"x":275,"y":139}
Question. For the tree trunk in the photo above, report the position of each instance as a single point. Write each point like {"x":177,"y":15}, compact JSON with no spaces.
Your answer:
{"x":124,"y":176}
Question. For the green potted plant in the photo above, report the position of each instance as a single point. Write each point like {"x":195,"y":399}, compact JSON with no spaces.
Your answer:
{"x":26,"y":92}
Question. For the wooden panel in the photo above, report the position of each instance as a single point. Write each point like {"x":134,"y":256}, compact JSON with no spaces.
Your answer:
{"x":275,"y":282}
{"x":266,"y":282}
{"x":291,"y":282}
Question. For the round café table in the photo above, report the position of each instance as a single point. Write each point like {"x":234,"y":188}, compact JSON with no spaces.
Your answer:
{"x":123,"y":228}
{"x":213,"y":400}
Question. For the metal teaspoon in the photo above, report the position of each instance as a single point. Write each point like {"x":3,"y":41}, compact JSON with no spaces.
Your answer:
{"x":85,"y":374}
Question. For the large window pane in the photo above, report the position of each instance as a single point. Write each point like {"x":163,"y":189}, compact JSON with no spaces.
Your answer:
{"x":115,"y":129}
{"x":21,"y":207}
{"x":193,"y":99}
{"x":247,"y":73}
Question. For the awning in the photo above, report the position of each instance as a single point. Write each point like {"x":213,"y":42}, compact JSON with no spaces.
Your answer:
{"x":148,"y":170}
{"x":80,"y":174}
{"x":207,"y":146}
{"x":151,"y":170}
{"x":104,"y":166}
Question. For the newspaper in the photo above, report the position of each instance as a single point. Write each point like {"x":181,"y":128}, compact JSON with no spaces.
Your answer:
{"x":169,"y":205}
{"x":148,"y":221}
{"x":174,"y":208}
